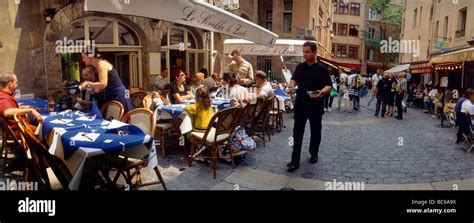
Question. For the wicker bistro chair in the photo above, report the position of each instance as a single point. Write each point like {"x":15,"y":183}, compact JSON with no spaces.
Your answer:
{"x":134,"y":89}
{"x":137,"y":99}
{"x":145,"y":120}
{"x":165,"y":125}
{"x":112,"y":110}
{"x":51,"y":170}
{"x":227,"y":120}
{"x":10,"y":143}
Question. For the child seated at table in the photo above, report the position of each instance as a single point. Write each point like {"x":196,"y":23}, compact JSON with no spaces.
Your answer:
{"x":201,"y":112}
{"x":156,"y":101}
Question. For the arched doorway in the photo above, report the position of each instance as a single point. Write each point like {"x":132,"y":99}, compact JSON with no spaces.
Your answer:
{"x":183,"y":49}
{"x":117,"y":42}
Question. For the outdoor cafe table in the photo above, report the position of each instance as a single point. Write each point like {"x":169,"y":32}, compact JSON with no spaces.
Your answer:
{"x":70,"y":137}
{"x":176,"y":111}
{"x":283,"y":98}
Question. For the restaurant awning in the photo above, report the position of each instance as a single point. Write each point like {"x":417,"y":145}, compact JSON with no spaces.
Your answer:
{"x":195,"y":13}
{"x":421,"y":67}
{"x":457,"y":56}
{"x":285,"y":47}
{"x":329,"y":62}
{"x":398,"y":68}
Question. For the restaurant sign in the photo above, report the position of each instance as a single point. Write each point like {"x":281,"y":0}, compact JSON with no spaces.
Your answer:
{"x":259,"y":50}
{"x":192,"y":13}
{"x":459,"y":56}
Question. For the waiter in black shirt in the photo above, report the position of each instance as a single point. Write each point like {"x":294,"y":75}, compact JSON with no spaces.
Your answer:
{"x":313,"y":82}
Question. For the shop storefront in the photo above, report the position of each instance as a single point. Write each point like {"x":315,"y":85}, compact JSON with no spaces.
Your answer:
{"x":456,"y":68}
{"x":421,"y":72}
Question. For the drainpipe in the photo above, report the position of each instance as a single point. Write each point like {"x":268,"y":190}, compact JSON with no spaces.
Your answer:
{"x":45,"y":61}
{"x":211,"y":48}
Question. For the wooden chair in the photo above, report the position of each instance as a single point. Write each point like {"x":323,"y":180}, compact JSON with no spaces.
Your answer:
{"x":163,"y":126}
{"x":12,"y":144}
{"x":276,"y":116}
{"x":137,"y":99}
{"x":112,"y":110}
{"x":145,"y":120}
{"x":226,"y":122}
{"x":248,"y":114}
{"x":259,"y":126}
{"x":49,"y":167}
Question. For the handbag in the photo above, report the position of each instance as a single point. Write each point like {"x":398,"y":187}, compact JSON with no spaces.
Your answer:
{"x":333,"y":93}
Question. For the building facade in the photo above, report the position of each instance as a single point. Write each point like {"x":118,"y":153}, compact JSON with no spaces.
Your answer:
{"x":290,"y":19}
{"x":36,"y":34}
{"x":441,"y":27}
{"x":348,"y":44}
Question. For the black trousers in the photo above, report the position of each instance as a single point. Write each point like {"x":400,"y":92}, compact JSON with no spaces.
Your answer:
{"x":302,"y":114}
{"x":398,"y":103}
{"x":381,"y":101}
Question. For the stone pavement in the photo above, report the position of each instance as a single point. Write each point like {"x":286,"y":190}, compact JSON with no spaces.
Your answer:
{"x":386,"y":154}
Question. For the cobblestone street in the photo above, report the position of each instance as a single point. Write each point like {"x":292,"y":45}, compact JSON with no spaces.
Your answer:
{"x":356,"y":147}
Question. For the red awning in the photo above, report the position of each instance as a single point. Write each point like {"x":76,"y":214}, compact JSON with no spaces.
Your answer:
{"x":421,"y":67}
{"x":351,"y":65}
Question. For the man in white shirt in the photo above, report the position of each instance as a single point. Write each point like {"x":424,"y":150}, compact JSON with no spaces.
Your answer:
{"x":265,"y":90}
{"x":161,"y":82}
{"x":375,"y":80}
{"x":464,"y":113}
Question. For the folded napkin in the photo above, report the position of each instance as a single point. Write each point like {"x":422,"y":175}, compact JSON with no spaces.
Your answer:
{"x":114,"y":124}
{"x":61,"y":121}
{"x":85,"y":137}
{"x":86,"y":118}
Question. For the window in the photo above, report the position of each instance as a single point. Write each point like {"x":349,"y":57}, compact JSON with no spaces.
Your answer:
{"x":268,"y":18}
{"x":415,"y":17}
{"x":421,"y":13}
{"x":127,"y":36}
{"x":353,"y":52}
{"x":268,"y":25}
{"x":461,"y":23}
{"x":431,"y":12}
{"x":101,"y":31}
{"x":269,"y":15}
{"x":333,"y":50}
{"x":288,"y":5}
{"x":371,"y":33}
{"x":446,"y":21}
{"x":355,"y":9}
{"x":342,"y":29}
{"x":436,"y":31}
{"x":372,"y":14}
{"x":370,"y":55}
{"x":354,"y":30}
{"x":334,"y":27}
{"x":341,"y":51}
{"x":287,"y":22}
{"x":343,"y":7}
{"x":335,"y":7}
